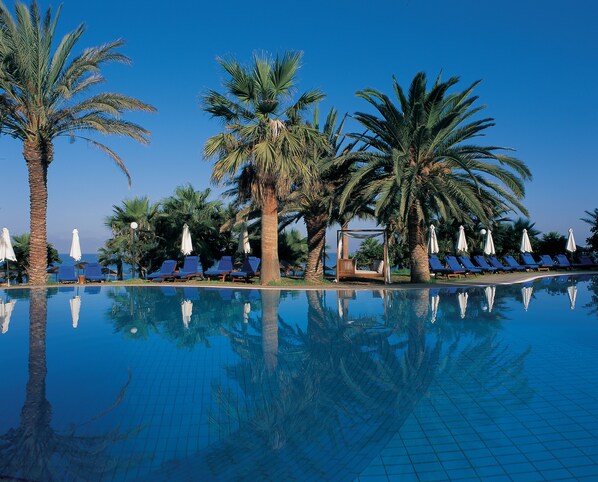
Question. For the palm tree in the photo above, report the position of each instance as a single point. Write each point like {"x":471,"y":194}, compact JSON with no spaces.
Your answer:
{"x":263,"y":134}
{"x":592,"y":220}
{"x":120,"y":246}
{"x":42,"y":97}
{"x":420,"y":165}
{"x":315,"y":194}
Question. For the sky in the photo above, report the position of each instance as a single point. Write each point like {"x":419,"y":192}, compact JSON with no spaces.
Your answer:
{"x":537,"y":60}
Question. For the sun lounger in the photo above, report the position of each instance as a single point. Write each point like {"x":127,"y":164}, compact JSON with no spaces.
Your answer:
{"x":512,"y":263}
{"x":165,"y":272}
{"x":453,"y":264}
{"x":191,"y":269}
{"x":66,"y":274}
{"x":469,"y":266}
{"x":249,"y":269}
{"x":529,"y":261}
{"x":493,"y":260}
{"x":437,"y":268}
{"x":220,"y":270}
{"x":483,"y":263}
{"x":584,"y":262}
{"x":547,"y":262}
{"x":563,"y":262}
{"x":93,"y":273}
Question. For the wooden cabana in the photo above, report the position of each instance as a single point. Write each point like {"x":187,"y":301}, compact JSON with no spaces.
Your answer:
{"x":347,"y":267}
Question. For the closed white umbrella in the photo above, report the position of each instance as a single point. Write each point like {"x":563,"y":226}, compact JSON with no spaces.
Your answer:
{"x":489,"y":244}
{"x":75,"y":252}
{"x":6,"y":313}
{"x":186,"y":311}
{"x":526,"y":246}
{"x":434,"y":302}
{"x":526,"y":294}
{"x":462,"y":298}
{"x":571,"y":247}
{"x":461,"y":241}
{"x":246,"y":311}
{"x":75,"y":303}
{"x":490,"y":292}
{"x":572,"y":291}
{"x":186,"y":245}
{"x":339,"y":254}
{"x":6,"y":251}
{"x":244,"y":246}
{"x":433,"y":241}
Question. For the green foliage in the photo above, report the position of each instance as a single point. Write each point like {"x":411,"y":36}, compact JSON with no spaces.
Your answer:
{"x":507,"y":236}
{"x":369,"y":251}
{"x":592,"y":220}
{"x":552,"y":243}
{"x":18,"y":269}
{"x":292,"y":248}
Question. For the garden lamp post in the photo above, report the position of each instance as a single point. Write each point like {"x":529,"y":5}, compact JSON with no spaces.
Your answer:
{"x":483,"y":233}
{"x":134,"y":226}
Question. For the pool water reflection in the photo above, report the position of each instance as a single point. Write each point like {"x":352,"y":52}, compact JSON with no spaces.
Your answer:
{"x":165,"y":383}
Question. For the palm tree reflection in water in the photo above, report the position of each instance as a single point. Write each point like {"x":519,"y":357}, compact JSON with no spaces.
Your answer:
{"x":34,"y":450}
{"x":321,"y":404}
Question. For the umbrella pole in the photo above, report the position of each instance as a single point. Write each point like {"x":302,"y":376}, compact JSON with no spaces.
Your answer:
{"x":7,"y":277}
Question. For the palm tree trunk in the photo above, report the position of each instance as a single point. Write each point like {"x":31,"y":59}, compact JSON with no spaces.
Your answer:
{"x":270,"y":301}
{"x":316,"y":233}
{"x":418,"y":253}
{"x":270,"y":264}
{"x":38,"y":156}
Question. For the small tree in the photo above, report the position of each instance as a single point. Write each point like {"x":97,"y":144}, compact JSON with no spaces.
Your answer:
{"x":552,"y":243}
{"x":592,"y":220}
{"x":21,"y":246}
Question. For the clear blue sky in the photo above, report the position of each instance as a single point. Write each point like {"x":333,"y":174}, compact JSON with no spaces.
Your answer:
{"x":538,"y":62}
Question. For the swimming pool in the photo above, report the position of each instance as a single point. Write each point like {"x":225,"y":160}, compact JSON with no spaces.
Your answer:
{"x":165,"y":383}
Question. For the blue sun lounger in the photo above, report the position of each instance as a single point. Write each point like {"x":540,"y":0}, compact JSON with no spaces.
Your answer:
{"x":512,"y":262}
{"x":220,"y":270}
{"x":456,"y":267}
{"x":482,"y":263}
{"x":93,"y":273}
{"x":469,"y":266}
{"x":192,"y":268}
{"x":563,"y":262}
{"x":437,"y":268}
{"x":493,"y":260}
{"x":530,"y":262}
{"x":249,"y":269}
{"x":547,"y":262}
{"x":165,"y":272}
{"x":66,"y":274}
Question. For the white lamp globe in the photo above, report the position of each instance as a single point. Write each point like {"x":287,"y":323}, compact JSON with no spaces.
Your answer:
{"x":134,"y":225}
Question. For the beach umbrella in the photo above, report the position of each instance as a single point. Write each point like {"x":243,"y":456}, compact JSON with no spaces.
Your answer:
{"x":461,"y":241}
{"x":526,"y":294}
{"x":246,"y":311}
{"x":526,"y":246}
{"x":433,"y":241}
{"x":75,"y":303}
{"x":339,"y":306}
{"x":244,"y":246}
{"x":489,"y":244}
{"x":434,"y":302}
{"x":490,"y":292}
{"x":75,"y":252}
{"x":6,"y":313}
{"x":6,"y":252}
{"x":462,"y":298}
{"x":186,"y":245}
{"x":572,"y":291}
{"x":571,"y":247}
{"x":187,"y":311}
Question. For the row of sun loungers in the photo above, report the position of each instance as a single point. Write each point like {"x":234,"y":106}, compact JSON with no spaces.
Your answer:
{"x":191,"y":269}
{"x":462,"y":265}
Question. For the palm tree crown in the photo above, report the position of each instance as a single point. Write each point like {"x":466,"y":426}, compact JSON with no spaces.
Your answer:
{"x":420,"y":162}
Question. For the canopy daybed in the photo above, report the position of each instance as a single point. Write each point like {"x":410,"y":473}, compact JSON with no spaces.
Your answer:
{"x":347,"y":267}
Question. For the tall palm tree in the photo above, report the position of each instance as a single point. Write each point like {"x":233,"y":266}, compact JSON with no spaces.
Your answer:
{"x":420,"y":162}
{"x":315,"y":194}
{"x":42,"y":97}
{"x":262,"y":133}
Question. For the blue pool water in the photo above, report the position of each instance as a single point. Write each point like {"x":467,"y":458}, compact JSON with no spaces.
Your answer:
{"x":124,"y":383}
